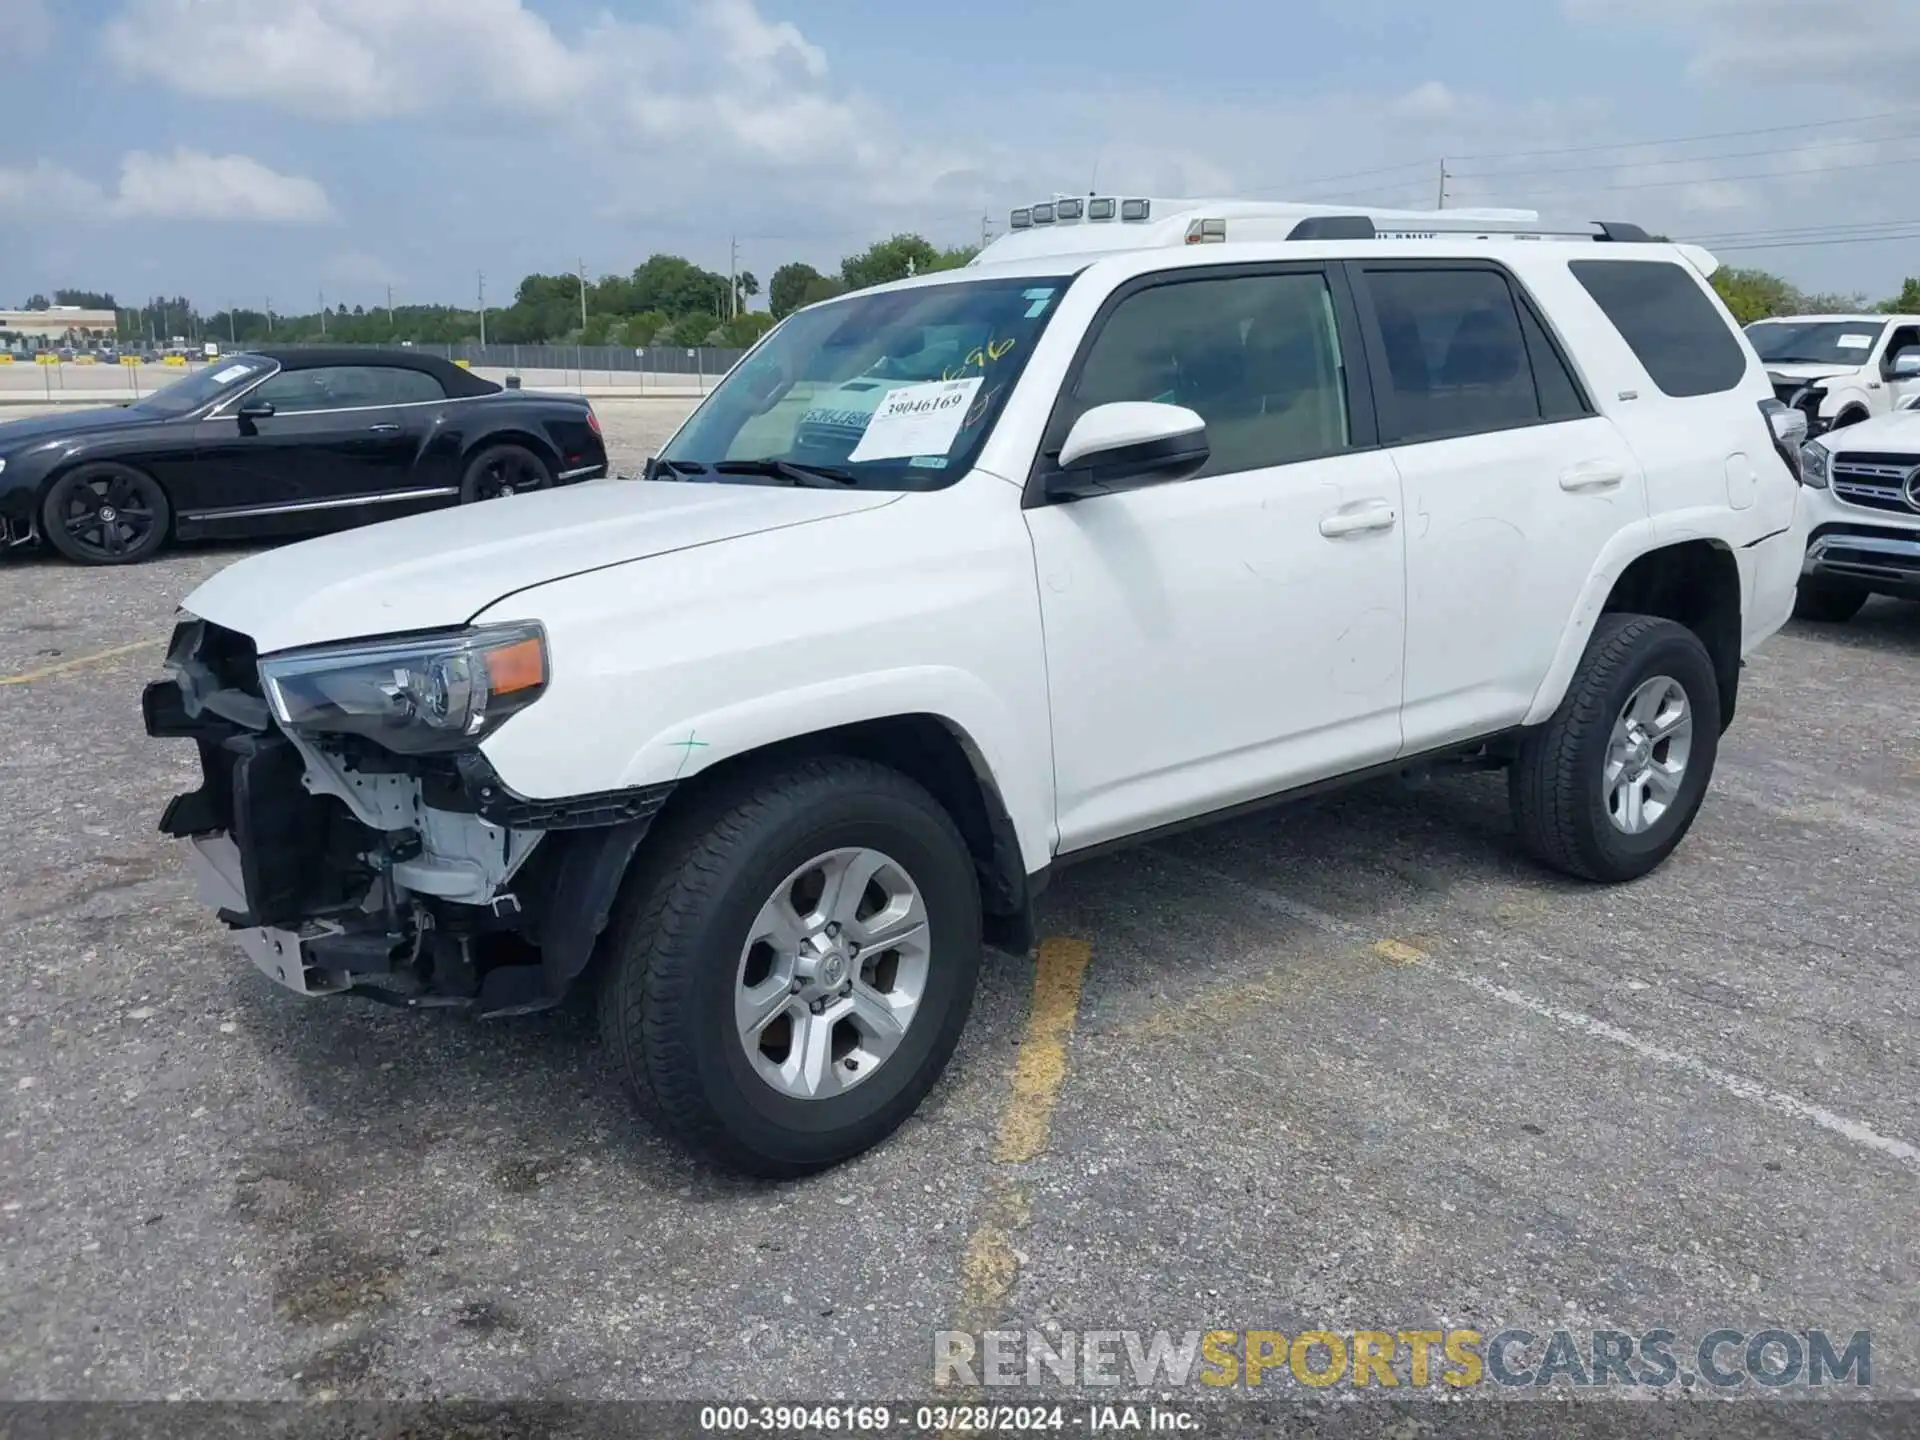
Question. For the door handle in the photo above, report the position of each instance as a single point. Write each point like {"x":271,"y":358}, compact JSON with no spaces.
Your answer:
{"x":1592,"y":476}
{"x":384,"y":429}
{"x":1361,"y":519}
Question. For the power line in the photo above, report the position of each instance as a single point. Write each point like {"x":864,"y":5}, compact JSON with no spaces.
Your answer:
{"x":1728,"y":179}
{"x":1794,"y":232}
{"x":1690,"y":159}
{"x":1428,"y":162}
{"x":1804,"y":244}
{"x":1693,"y":139}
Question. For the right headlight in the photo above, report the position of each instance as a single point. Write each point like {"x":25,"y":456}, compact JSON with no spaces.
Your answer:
{"x":1816,"y":464}
{"x":416,"y":695}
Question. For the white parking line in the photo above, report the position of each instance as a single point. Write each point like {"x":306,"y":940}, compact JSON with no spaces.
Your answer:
{"x":1738,"y":1085}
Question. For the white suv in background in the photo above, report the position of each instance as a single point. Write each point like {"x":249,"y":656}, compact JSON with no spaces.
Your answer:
{"x":1863,"y":509}
{"x":1203,"y":505}
{"x":1841,"y":369}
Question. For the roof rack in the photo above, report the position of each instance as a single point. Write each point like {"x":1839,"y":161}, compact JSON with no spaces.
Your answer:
{"x":1076,"y":224}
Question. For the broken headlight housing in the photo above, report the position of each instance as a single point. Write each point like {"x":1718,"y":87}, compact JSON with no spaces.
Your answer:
{"x":416,"y":695}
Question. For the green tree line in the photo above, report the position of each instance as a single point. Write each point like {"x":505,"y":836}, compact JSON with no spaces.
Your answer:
{"x":667,"y":300}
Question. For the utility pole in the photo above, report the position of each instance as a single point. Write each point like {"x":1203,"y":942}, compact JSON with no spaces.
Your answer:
{"x":1444,"y":177}
{"x":733,"y":278}
{"x":483,"y":306}
{"x":389,"y":309}
{"x":323,"y":314}
{"x":269,"y":300}
{"x":986,"y":222}
{"x":583,"y":300}
{"x":233,"y":335}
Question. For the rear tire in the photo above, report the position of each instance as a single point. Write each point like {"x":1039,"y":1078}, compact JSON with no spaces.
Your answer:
{"x":1827,"y":601}
{"x":685,"y":970}
{"x":502,"y":470}
{"x":1578,"y":801}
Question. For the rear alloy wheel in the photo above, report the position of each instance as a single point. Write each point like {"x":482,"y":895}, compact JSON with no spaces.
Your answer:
{"x":1608,"y":787}
{"x":1828,"y":601}
{"x":106,"y":514}
{"x":502,"y":470}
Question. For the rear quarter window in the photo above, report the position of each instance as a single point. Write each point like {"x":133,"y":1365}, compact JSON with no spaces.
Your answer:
{"x":1668,"y":322}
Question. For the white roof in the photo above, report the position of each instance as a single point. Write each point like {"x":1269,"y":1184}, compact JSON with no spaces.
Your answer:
{"x":1835,"y":319}
{"x":1085,"y":226}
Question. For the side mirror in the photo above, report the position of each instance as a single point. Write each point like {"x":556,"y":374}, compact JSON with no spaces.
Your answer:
{"x":1906,"y":364}
{"x":255,"y":410}
{"x":1128,"y":445}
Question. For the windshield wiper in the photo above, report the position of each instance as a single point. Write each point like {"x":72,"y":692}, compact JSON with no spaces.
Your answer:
{"x":818,"y":476}
{"x":676,"y":468}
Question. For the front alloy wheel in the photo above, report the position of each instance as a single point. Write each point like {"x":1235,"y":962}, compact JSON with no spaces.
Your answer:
{"x":832,"y":973}
{"x":793,"y":959}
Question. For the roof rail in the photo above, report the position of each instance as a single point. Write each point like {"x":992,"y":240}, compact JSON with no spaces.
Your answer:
{"x":1093,"y":224}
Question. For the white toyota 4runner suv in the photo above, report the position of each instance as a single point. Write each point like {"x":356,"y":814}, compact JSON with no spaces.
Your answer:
{"x":1841,"y":369}
{"x":1158,"y":511}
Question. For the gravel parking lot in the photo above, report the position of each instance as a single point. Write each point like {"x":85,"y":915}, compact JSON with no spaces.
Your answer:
{"x":1352,"y":1064}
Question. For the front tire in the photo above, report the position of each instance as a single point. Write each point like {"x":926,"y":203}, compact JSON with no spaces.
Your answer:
{"x":1826,"y":601}
{"x":1608,"y":787}
{"x":738,"y":997}
{"x":502,"y":470}
{"x":106,"y":514}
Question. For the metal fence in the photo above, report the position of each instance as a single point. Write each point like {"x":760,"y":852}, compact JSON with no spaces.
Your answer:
{"x":589,"y":360}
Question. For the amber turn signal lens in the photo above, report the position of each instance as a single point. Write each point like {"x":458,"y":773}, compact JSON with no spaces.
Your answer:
{"x":519,"y":666}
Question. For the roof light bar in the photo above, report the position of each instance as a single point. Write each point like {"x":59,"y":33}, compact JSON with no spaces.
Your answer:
{"x":1068,"y":209}
{"x":1043,"y":214}
{"x":1101,"y":209}
{"x":1135,"y":209}
{"x":1021,"y":219}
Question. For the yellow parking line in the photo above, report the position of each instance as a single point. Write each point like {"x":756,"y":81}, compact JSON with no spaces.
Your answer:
{"x":77,"y":662}
{"x":990,"y":1266}
{"x":1028,"y":1118}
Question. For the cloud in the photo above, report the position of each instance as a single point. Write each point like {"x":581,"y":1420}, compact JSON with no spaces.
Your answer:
{"x":190,"y":185}
{"x":723,"y":82}
{"x":1431,"y":100}
{"x":349,"y":60}
{"x":186,"y":185}
{"x":26,"y":29}
{"x":1869,"y":48}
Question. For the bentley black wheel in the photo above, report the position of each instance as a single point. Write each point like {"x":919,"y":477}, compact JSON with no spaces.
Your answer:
{"x":501,"y":470}
{"x":106,"y":514}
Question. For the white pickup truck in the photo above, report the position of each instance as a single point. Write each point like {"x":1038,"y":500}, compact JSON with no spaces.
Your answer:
{"x":1157,"y":511}
{"x":1841,"y":369}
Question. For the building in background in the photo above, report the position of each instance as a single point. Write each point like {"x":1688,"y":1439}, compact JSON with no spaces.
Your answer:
{"x":62,"y":327}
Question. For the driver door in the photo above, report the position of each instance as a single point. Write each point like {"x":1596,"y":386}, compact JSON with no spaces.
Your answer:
{"x":330,"y":438}
{"x":1223,"y":638}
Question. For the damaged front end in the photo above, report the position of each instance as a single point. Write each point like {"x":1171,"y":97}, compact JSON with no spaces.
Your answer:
{"x":350,"y":832}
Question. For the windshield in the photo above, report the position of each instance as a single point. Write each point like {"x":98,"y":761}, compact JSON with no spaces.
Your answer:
{"x":892,"y":391}
{"x":184,"y":396}
{"x":1826,"y":342}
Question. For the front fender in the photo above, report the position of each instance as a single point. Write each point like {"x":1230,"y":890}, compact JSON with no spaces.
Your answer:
{"x":1837,"y":401}
{"x":927,"y":606}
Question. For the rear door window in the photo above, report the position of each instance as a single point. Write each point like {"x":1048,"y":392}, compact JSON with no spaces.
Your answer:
{"x":1458,"y":357}
{"x":1669,"y":323}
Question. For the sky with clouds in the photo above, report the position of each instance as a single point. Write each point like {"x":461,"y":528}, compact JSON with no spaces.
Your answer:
{"x":239,"y":149}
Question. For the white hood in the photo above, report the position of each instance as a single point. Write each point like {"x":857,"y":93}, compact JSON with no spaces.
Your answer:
{"x":1808,"y":372}
{"x":1898,"y":432}
{"x":441,"y":569}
